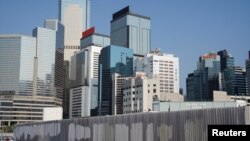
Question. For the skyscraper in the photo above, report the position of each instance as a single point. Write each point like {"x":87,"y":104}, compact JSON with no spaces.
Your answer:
{"x":235,"y":81}
{"x":16,"y":66}
{"x":47,"y":74}
{"x":113,"y":59}
{"x":131,"y":30}
{"x":248,"y":72}
{"x":164,"y":65}
{"x":75,"y":15}
{"x":26,"y":76}
{"x":226,"y":60}
{"x":205,"y":79}
{"x":46,"y":49}
{"x":56,"y":25}
{"x":84,"y":74}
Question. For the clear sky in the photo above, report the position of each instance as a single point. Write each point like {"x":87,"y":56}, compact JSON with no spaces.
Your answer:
{"x":186,"y":28}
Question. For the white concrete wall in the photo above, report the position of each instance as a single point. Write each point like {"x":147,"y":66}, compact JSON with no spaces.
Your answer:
{"x":52,"y":113}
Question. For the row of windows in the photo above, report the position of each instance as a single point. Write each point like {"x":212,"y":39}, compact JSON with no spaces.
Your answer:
{"x":167,"y":84}
{"x":137,"y":86}
{"x":166,"y":91}
{"x":129,"y":93}
{"x":137,"y":92}
{"x":72,"y":47}
{"x":129,"y":105}
{"x":134,"y":111}
{"x":128,"y":99}
{"x":162,"y":61}
{"x":21,"y":118}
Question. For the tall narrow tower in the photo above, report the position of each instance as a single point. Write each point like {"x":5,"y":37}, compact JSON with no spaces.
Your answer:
{"x":75,"y":15}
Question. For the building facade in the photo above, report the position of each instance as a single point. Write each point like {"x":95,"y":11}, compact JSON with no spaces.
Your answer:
{"x":139,"y":93}
{"x":17,"y":54}
{"x":248,"y":72}
{"x":131,"y":30}
{"x":84,"y":71}
{"x":56,"y":25}
{"x":235,"y":81}
{"x":164,"y":65}
{"x":226,"y":60}
{"x":80,"y":102}
{"x":205,"y":79}
{"x":117,"y":93}
{"x":18,"y":109}
{"x":45,"y":61}
{"x":84,"y":75}
{"x":28,"y":76}
{"x":75,"y":15}
{"x":113,"y":59}
{"x":90,"y":38}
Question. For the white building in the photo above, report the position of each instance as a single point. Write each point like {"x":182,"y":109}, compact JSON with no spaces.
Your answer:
{"x":75,"y":15}
{"x":139,"y":93}
{"x":84,"y":79}
{"x":79,"y":102}
{"x":84,"y":73}
{"x":164,"y":65}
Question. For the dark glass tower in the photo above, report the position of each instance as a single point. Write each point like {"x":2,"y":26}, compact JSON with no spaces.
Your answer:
{"x":113,"y":59}
{"x":205,"y":79}
{"x":236,"y":83}
{"x":226,"y":60}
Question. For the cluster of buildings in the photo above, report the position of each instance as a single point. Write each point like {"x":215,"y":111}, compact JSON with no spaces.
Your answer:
{"x":68,"y":64}
{"x":217,"y":72}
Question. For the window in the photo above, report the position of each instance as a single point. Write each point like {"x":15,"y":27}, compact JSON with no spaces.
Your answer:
{"x":154,"y":90}
{"x":154,"y":84}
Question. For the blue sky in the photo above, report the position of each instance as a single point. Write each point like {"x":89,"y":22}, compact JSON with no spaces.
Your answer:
{"x":186,"y":28}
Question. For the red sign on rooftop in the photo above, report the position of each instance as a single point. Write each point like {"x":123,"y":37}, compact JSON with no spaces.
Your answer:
{"x":209,"y":56}
{"x":88,"y":32}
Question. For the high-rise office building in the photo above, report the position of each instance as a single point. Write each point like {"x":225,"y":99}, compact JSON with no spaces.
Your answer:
{"x":56,"y":25}
{"x":17,"y":54}
{"x":205,"y":79}
{"x":248,"y":72}
{"x":226,"y":60}
{"x":235,"y":81}
{"x":227,"y":64}
{"x":131,"y":30}
{"x":84,"y":81}
{"x":23,"y":92}
{"x":113,"y":59}
{"x":75,"y":15}
{"x":117,"y":93}
{"x":167,"y":67}
{"x":46,"y":50}
{"x":84,"y":74}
